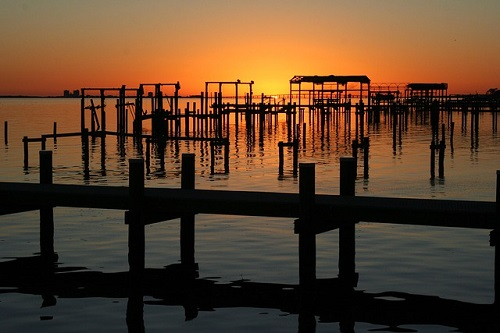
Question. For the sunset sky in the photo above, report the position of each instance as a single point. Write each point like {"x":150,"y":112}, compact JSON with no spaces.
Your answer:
{"x":51,"y":45}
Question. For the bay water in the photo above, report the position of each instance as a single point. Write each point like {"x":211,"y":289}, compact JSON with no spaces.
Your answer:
{"x":445,"y":262}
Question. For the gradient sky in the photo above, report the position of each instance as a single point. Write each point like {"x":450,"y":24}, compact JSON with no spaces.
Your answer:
{"x":51,"y":45}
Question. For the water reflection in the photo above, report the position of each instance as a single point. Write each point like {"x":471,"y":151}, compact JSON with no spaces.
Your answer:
{"x":175,"y":286}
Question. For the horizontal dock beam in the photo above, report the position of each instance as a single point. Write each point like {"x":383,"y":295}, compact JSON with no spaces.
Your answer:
{"x":328,"y":210}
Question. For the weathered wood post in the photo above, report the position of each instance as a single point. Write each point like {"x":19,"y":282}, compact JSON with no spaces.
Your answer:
{"x":85,"y":152}
{"x":442,"y":147}
{"x":226,"y":155}
{"x":281,"y":159}
{"x":433,"y":159}
{"x":347,"y":246}
{"x":295,"y":156}
{"x":148,"y":153}
{"x":452,"y":129}
{"x":26,"y":152}
{"x":136,"y":246}
{"x":187,"y":220}
{"x":136,"y":235}
{"x":366,"y":154}
{"x":304,"y":140}
{"x":46,"y":213}
{"x":354,"y":146}
{"x":307,"y":236}
{"x":54,"y":131}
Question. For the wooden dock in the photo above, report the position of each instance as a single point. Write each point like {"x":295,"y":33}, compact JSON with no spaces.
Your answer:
{"x":311,"y":214}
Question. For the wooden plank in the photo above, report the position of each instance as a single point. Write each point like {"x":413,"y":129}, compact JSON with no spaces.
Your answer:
{"x":328,"y":209}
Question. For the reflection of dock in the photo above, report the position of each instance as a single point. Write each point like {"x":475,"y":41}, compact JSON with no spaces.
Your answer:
{"x":171,"y":286}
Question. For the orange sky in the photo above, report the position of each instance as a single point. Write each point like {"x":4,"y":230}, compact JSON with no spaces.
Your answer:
{"x":52,"y":45}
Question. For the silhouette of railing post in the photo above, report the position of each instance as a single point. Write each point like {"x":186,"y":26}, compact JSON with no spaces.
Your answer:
{"x":136,"y":242}
{"x":187,"y":220}
{"x":307,"y":235}
{"x":46,"y":213}
{"x":347,"y":274}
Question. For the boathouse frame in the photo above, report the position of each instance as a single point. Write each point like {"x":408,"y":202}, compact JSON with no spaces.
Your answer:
{"x":329,"y":90}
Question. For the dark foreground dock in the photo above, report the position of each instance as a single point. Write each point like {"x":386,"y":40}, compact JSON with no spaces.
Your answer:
{"x":334,"y":300}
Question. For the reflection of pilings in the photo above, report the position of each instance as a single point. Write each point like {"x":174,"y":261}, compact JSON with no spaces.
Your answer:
{"x":295,"y":146}
{"x":441,"y":150}
{"x":214,"y":144}
{"x":365,"y":146}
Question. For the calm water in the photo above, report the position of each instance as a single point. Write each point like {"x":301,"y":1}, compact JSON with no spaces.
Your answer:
{"x":449,"y":263}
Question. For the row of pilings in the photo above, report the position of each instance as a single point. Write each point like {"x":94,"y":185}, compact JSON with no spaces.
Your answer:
{"x":213,"y":125}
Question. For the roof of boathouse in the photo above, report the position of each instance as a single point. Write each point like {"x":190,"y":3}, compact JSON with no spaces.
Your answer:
{"x":342,"y":79}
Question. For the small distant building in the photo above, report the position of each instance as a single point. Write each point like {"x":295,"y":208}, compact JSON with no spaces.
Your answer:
{"x":75,"y":93}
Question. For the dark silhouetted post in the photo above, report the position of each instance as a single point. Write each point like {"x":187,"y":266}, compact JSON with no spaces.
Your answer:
{"x":46,"y":213}
{"x":347,"y":250}
{"x":281,"y":159}
{"x":187,"y":220}
{"x":307,"y":236}
{"x":6,"y":132}
{"x":135,"y":222}
{"x":26,"y":152}
{"x":54,"y":131}
{"x":295,"y":156}
{"x":433,"y":160}
{"x":366,"y":153}
{"x":85,"y":152}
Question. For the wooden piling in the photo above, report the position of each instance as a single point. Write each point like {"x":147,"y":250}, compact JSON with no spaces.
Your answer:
{"x":281,"y":159}
{"x":54,"y":131}
{"x":295,"y":157}
{"x":26,"y":152}
{"x":347,"y":274}
{"x":307,"y":236}
{"x":366,"y":153}
{"x":85,"y":152}
{"x":433,"y":160}
{"x":46,"y":213}
{"x":452,"y":129}
{"x":188,"y":220}
{"x":354,"y":146}
{"x":6,"y":132}
{"x":136,"y":234}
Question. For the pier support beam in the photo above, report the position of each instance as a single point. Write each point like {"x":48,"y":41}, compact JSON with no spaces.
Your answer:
{"x":307,"y":235}
{"x":187,"y":220}
{"x":347,"y":240}
{"x":46,"y":213}
{"x":136,"y":235}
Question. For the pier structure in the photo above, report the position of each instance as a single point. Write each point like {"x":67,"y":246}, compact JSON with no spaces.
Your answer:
{"x":420,"y":96}
{"x":334,"y":94}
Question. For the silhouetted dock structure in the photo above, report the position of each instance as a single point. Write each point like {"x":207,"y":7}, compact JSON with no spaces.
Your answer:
{"x":312,"y":214}
{"x":330,"y":99}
